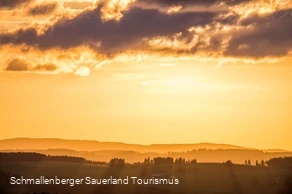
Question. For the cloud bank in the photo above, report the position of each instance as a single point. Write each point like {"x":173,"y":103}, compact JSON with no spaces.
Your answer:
{"x":43,"y":9}
{"x":10,"y":4}
{"x":251,"y":29}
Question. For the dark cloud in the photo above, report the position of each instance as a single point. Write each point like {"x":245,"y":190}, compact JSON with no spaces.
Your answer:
{"x":186,"y":3}
{"x":88,"y":28}
{"x":10,"y":4}
{"x":45,"y":67}
{"x":18,"y":65}
{"x":43,"y":9}
{"x":270,"y":35}
{"x":27,"y":36}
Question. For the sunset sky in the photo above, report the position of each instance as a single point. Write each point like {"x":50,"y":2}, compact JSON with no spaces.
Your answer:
{"x":148,"y":71}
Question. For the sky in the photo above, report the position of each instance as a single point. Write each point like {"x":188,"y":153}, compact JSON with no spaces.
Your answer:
{"x":148,"y":71}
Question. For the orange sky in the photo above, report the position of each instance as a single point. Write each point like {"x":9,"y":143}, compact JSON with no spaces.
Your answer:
{"x":153,"y":88}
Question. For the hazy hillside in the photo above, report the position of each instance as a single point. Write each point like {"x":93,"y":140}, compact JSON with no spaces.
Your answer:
{"x":86,"y":145}
{"x":104,"y":151}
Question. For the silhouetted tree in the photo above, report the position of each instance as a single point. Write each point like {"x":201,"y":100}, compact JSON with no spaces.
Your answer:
{"x":147,"y":160}
{"x":194,"y":161}
{"x":117,"y":162}
{"x":248,"y":162}
{"x":263,"y":163}
{"x":257,"y":163}
{"x":180,"y":161}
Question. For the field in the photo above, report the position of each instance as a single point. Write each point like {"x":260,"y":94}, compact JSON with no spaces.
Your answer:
{"x":201,"y":178}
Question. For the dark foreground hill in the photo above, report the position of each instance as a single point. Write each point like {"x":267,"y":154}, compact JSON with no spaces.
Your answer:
{"x":205,"y":178}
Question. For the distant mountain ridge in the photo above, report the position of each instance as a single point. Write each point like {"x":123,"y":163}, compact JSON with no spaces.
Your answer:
{"x":90,"y":145}
{"x":105,"y":151}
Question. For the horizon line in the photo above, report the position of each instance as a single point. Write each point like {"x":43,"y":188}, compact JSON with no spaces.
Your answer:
{"x":141,"y":144}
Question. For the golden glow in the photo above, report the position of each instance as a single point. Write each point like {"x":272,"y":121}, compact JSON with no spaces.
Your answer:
{"x":67,"y":61}
{"x":113,"y":9}
{"x":83,"y":71}
{"x":174,"y":9}
{"x":168,"y":89}
{"x":172,"y":42}
{"x":261,"y":7}
{"x":191,"y":102}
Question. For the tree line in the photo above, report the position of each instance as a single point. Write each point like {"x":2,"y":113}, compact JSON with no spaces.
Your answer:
{"x":37,"y":157}
{"x":280,"y":162}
